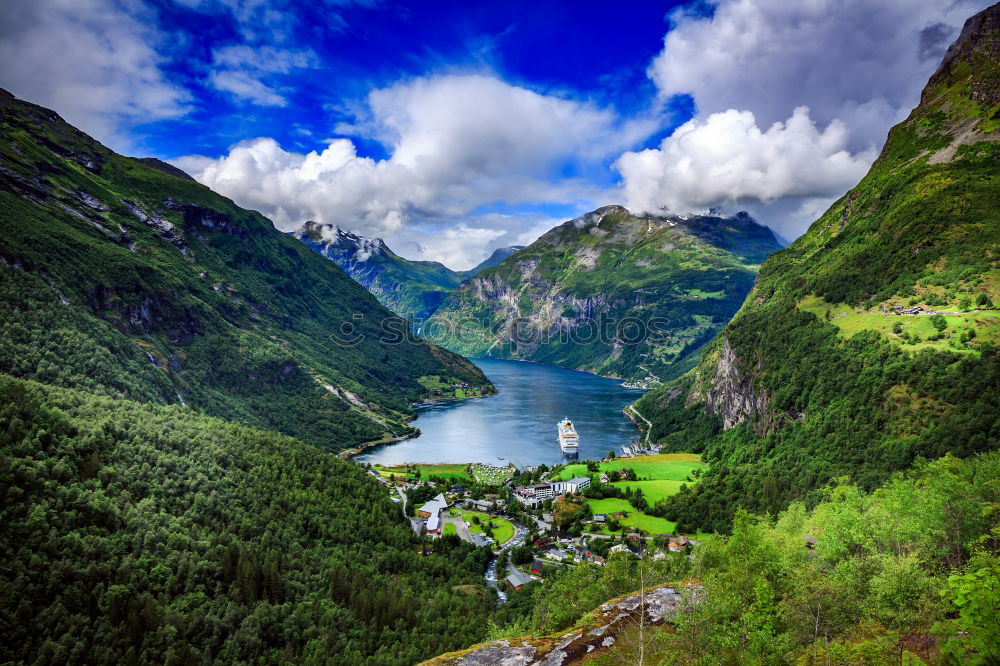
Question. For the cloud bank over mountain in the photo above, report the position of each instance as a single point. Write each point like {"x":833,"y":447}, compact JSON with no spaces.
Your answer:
{"x":728,"y":158}
{"x":455,"y":143}
{"x":794,"y":100}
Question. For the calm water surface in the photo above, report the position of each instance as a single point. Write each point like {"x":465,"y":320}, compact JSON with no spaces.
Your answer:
{"x":519,"y":424}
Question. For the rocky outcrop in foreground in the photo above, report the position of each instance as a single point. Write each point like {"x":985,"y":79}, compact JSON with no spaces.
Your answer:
{"x":655,"y":607}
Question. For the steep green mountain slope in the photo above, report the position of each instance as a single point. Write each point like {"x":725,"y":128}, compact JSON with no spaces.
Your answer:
{"x":610,"y":292}
{"x":412,"y":289}
{"x":817,"y":376}
{"x":135,"y":533}
{"x":127,"y":278}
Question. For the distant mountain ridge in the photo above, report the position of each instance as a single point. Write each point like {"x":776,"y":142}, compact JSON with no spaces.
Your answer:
{"x":499,"y":255}
{"x":837,"y":364}
{"x":622,"y":295}
{"x":412,"y":289}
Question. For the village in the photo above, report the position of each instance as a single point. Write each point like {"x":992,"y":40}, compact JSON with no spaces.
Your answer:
{"x":539,"y":519}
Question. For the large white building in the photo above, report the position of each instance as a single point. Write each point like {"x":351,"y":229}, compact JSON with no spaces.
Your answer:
{"x":432,"y":512}
{"x":543,"y":491}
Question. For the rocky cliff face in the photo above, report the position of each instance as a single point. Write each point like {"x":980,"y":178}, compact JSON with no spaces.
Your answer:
{"x":622,"y":295}
{"x":729,"y":395}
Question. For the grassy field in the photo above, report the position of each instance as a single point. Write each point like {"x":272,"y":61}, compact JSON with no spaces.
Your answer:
{"x":650,"y":524}
{"x":610,"y":505}
{"x":653,"y":491}
{"x":665,"y":466}
{"x":444,"y":388}
{"x":449,"y":528}
{"x":454,"y":472}
{"x":641,"y":521}
{"x":854,"y":320}
{"x":503,"y":531}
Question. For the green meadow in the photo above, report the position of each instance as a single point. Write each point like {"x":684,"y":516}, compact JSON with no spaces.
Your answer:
{"x":665,"y":466}
{"x":447,"y":471}
{"x":632,"y":517}
{"x":912,"y":332}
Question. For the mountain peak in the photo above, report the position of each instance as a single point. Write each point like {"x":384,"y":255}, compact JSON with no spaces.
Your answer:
{"x":977,"y":47}
{"x":499,"y":255}
{"x":329,"y":235}
{"x":960,"y":105}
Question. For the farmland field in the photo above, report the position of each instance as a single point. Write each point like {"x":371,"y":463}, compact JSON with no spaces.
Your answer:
{"x":653,"y":491}
{"x":641,"y":521}
{"x":650,"y":524}
{"x":448,"y":471}
{"x":610,"y":505}
{"x":664,"y":466}
{"x":919,"y":329}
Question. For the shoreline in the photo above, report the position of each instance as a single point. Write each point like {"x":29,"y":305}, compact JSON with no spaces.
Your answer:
{"x":347,"y":454}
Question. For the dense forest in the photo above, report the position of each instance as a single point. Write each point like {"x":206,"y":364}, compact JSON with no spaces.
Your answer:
{"x":137,"y":534}
{"x":818,"y":376}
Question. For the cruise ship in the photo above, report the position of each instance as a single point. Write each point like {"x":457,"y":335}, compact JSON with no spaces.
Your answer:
{"x":568,"y":439}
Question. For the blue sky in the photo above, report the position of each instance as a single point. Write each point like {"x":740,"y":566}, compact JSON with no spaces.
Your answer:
{"x":582,"y":50}
{"x":454,"y":128}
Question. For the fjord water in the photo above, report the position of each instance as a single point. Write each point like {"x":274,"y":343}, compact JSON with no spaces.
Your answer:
{"x":519,"y":424}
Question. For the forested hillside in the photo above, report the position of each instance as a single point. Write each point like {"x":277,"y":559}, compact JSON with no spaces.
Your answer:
{"x":138,"y":534}
{"x":127,"y":278}
{"x":871,"y":341}
{"x":617,"y":294}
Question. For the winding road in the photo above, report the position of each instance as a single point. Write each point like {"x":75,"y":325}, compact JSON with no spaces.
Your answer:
{"x":649,"y":426}
{"x":520,"y":533}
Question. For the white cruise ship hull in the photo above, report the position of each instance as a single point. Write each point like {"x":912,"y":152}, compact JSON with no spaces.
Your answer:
{"x":569,"y":441}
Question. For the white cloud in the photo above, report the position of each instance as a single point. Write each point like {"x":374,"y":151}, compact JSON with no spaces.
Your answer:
{"x":241,"y":69}
{"x":727,"y":158}
{"x":858,"y":66}
{"x":257,"y":20}
{"x":243,"y":86}
{"x":858,"y":61}
{"x":264,"y":59}
{"x":456,"y":143}
{"x":461,"y":243}
{"x":92,"y":60}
